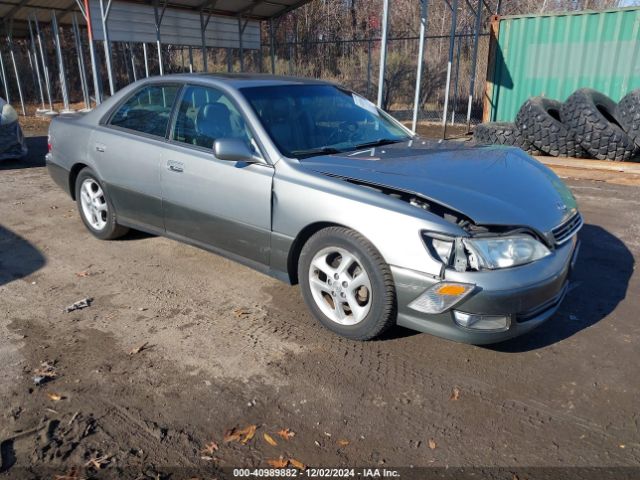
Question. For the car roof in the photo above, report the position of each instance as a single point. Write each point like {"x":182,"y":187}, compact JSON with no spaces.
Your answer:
{"x":243,"y":80}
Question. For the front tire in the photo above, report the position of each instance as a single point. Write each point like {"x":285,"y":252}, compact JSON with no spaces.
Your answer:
{"x":346,"y":284}
{"x":96,"y":210}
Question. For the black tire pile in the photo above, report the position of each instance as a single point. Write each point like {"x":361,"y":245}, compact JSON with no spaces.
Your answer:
{"x":587,"y":125}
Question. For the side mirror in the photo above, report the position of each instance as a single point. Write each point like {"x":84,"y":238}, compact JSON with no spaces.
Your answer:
{"x":234,"y":150}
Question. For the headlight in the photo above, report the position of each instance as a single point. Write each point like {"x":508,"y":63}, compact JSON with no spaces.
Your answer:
{"x":442,"y":249}
{"x":502,"y":252}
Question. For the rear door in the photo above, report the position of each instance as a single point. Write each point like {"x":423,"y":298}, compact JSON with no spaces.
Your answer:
{"x":222,"y":204}
{"x":129,"y":149}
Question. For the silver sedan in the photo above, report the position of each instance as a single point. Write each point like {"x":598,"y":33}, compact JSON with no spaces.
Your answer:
{"x":313,"y":184}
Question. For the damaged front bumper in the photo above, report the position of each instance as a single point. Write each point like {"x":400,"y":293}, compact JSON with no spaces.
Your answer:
{"x":504,"y":303}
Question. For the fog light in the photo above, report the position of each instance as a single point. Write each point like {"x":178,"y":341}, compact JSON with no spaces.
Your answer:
{"x":481,"y":322}
{"x":441,"y":297}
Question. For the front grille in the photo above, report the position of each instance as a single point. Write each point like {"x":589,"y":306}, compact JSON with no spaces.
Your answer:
{"x":568,"y":229}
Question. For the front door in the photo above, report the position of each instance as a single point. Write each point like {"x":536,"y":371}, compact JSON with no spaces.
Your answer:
{"x":128,"y":150}
{"x":218,"y":203}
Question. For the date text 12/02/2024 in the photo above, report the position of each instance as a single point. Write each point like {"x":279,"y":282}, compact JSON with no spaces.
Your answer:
{"x":316,"y":473}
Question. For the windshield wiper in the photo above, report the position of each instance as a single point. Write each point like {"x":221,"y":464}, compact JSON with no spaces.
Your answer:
{"x":315,"y":151}
{"x":378,"y":143}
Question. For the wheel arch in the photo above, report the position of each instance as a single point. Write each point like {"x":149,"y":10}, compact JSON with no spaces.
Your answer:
{"x":73,"y":175}
{"x":296,"y":247}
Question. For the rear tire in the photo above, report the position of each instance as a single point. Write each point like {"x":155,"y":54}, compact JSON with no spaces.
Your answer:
{"x":346,"y":284}
{"x":591,"y":117}
{"x":628,"y":113}
{"x":503,"y":133}
{"x":95,"y":207}
{"x":539,"y":122}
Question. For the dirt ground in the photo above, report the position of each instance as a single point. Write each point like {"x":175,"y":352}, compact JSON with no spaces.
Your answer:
{"x":180,"y":345}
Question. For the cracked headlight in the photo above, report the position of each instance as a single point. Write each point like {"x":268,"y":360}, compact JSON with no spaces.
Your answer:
{"x":503,"y":252}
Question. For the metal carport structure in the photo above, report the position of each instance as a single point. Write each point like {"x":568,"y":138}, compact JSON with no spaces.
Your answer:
{"x":175,"y":21}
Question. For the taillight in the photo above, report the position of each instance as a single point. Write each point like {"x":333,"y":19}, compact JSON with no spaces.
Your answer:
{"x":49,"y":145}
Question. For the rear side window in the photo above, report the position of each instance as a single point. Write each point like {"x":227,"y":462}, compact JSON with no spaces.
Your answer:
{"x":147,"y":111}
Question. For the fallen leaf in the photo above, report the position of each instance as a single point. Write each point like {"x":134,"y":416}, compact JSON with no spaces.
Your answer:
{"x":248,"y":433}
{"x":241,"y":312}
{"x":279,"y":462}
{"x":82,"y":274}
{"x":343,"y":442}
{"x":242,"y":435}
{"x":210,"y":448}
{"x":46,"y":369}
{"x":432,"y":444}
{"x":139,"y":349}
{"x":455,"y":394}
{"x":269,"y":439}
{"x":56,"y":397}
{"x":98,"y":462}
{"x":286,"y":434}
{"x":297,"y":464}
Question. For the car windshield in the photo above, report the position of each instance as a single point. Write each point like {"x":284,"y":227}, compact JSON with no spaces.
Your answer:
{"x":310,"y":120}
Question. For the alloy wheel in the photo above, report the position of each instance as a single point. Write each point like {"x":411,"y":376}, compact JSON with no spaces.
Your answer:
{"x":340,"y":285}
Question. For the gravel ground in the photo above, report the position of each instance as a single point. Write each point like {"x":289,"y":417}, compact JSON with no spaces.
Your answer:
{"x":180,"y":345}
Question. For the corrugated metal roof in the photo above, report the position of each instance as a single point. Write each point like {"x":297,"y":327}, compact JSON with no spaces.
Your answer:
{"x":553,"y":55}
{"x":254,"y":9}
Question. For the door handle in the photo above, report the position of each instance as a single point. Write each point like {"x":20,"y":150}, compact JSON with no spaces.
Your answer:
{"x":175,"y":166}
{"x":100,"y":147}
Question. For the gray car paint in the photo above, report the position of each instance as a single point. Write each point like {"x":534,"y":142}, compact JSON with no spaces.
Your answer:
{"x":263,"y":210}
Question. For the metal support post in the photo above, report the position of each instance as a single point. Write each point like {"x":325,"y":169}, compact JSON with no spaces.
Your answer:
{"x":45,"y":66}
{"x":61,"y":69}
{"x":85,"y":9}
{"x":133,"y":62}
{"x":383,"y":50}
{"x":146,"y":60}
{"x":104,"y":14}
{"x":474,"y":62}
{"x":423,"y":31}
{"x":455,"y":84}
{"x":452,"y":39}
{"x":5,"y":85}
{"x":272,"y":47}
{"x":241,"y":28}
{"x":34,"y":54}
{"x":81,"y":67}
{"x":158,"y":18}
{"x":15,"y":71}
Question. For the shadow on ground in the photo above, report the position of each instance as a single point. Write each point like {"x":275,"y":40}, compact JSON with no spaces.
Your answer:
{"x":35,"y":158}
{"x":18,"y":258}
{"x":599,"y":283}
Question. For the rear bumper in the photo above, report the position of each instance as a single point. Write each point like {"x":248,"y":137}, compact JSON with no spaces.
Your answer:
{"x":527,"y":295}
{"x":60,"y":175}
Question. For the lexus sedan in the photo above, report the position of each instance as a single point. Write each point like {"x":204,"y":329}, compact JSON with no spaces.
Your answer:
{"x":313,"y":184}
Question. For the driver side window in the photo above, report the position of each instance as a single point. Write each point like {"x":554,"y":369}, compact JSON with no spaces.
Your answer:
{"x":206,"y":115}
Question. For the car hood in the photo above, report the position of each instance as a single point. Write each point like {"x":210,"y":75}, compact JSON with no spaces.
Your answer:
{"x":491,"y":185}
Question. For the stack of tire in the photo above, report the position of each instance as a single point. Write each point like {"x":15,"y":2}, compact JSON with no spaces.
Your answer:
{"x":587,"y":125}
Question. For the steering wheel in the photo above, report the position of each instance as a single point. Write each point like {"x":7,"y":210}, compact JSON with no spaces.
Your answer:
{"x":349,"y":126}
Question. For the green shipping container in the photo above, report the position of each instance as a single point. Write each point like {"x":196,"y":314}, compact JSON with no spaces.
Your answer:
{"x":553,"y":55}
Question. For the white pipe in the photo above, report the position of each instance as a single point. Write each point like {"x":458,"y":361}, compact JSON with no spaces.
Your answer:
{"x":423,"y":28}
{"x":383,"y":50}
